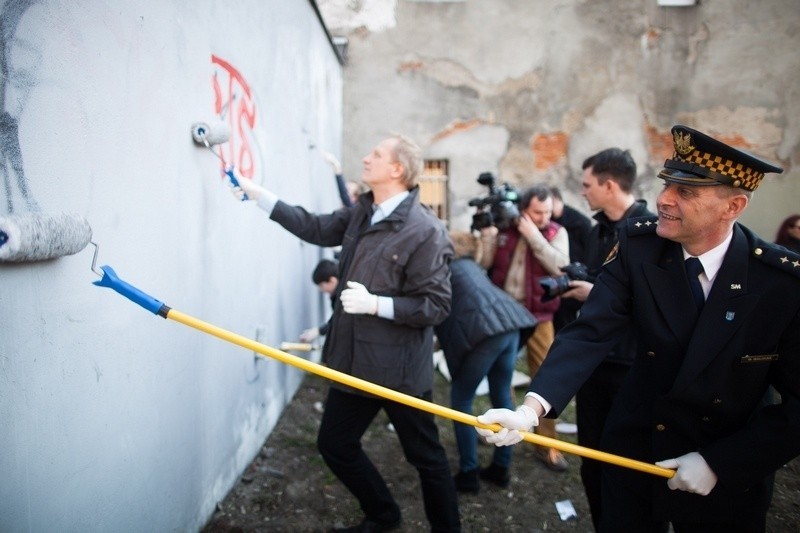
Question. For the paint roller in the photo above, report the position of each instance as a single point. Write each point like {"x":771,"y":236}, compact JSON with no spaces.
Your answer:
{"x":210,"y":134}
{"x":298,"y":347}
{"x":112,"y":281}
{"x":38,"y":236}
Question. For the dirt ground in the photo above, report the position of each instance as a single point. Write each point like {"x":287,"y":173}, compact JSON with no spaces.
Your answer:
{"x":288,"y":488}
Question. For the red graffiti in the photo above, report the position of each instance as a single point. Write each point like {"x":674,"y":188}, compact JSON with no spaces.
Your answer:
{"x":233,"y":101}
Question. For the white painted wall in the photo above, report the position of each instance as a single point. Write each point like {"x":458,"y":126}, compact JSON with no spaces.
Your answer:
{"x":114,"y":419}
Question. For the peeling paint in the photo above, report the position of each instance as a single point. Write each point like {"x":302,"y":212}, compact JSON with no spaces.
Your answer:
{"x":459,"y":126}
{"x":750,"y":128}
{"x":452,"y":74}
{"x":374,"y":15}
{"x":600,"y":75}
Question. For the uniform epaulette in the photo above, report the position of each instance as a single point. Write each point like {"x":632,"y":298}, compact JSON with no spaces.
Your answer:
{"x":778,"y":257}
{"x":642,"y":225}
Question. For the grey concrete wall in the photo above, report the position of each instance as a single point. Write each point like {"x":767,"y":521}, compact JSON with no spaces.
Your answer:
{"x":114,"y":419}
{"x":528,"y":89}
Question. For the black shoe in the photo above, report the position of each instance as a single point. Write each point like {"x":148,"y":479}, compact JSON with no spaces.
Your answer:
{"x":368,"y":526}
{"x":467,"y":481}
{"x":496,"y":474}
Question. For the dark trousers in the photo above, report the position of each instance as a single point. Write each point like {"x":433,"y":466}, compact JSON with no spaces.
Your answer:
{"x":347,"y":416}
{"x":592,"y":404}
{"x":628,"y":507}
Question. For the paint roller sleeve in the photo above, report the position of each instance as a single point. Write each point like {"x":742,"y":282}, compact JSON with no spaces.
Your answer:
{"x":212,"y":132}
{"x":40,"y":236}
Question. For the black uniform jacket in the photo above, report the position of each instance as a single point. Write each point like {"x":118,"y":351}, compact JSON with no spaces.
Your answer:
{"x":697,"y":383}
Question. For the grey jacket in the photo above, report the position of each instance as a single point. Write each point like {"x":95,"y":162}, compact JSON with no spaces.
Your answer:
{"x":407,"y":257}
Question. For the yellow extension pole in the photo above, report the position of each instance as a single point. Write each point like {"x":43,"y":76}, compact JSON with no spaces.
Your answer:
{"x":389,"y":394}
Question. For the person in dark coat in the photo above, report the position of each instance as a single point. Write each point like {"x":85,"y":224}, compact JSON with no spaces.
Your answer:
{"x":578,"y":228}
{"x":394,"y":272}
{"x":576,"y":223}
{"x":325,"y":277}
{"x":710,"y":342}
{"x":479,"y":339}
{"x":607,"y":186}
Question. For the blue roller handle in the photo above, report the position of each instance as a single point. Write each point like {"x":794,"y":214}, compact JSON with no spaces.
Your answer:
{"x":235,"y":182}
{"x":112,"y":281}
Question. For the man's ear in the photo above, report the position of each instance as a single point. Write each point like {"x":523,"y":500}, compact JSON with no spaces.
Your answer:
{"x":398,"y":171}
{"x":736,"y":204}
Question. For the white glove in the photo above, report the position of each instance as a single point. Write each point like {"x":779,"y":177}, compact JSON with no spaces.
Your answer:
{"x":523,"y":419}
{"x":357,"y":300}
{"x":693,"y":474}
{"x":333,"y":162}
{"x":253,"y":190}
{"x":309,"y":335}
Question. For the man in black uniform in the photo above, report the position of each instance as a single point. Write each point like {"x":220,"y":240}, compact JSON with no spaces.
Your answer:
{"x":709,"y":344}
{"x":607,"y":185}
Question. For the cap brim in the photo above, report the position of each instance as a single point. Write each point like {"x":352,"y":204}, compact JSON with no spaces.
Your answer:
{"x":685,"y":178}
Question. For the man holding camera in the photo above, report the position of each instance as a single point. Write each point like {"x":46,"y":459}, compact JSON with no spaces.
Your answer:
{"x":516,"y":257}
{"x":608,"y":178}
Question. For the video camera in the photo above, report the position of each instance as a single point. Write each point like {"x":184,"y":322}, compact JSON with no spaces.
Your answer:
{"x":555,"y":286}
{"x":499,"y":208}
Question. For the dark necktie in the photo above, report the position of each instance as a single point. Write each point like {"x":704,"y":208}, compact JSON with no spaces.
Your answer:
{"x":693,"y":269}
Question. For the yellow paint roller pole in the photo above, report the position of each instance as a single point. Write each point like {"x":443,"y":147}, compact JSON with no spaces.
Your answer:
{"x":389,"y":394}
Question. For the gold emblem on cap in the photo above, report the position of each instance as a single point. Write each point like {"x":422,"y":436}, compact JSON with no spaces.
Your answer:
{"x":683,"y":142}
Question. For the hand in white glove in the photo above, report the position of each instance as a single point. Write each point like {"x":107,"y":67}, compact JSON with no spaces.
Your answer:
{"x":357,"y":300}
{"x":246,"y":185}
{"x":309,"y":335}
{"x":524,"y":418}
{"x":693,"y":474}
{"x":333,"y":162}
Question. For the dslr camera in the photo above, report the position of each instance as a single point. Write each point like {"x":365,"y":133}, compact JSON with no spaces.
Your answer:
{"x":498,"y":208}
{"x":557,"y":285}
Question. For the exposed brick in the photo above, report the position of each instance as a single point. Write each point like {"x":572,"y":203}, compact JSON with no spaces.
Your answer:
{"x":737,"y":141}
{"x":410,"y":66}
{"x":660,"y":142}
{"x":548,"y":150}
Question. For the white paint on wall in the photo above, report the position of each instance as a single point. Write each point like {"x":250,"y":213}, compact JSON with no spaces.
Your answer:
{"x":115,"y":419}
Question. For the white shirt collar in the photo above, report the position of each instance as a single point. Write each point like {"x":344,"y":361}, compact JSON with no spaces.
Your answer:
{"x":712,"y":260}
{"x":387,"y":207}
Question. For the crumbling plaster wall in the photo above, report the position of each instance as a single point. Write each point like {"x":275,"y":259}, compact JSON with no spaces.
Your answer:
{"x":529,"y":89}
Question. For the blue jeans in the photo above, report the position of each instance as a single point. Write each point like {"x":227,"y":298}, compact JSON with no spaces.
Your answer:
{"x":493,"y":358}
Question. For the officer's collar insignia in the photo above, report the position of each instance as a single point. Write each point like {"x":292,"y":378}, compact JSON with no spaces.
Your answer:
{"x":612,"y":254}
